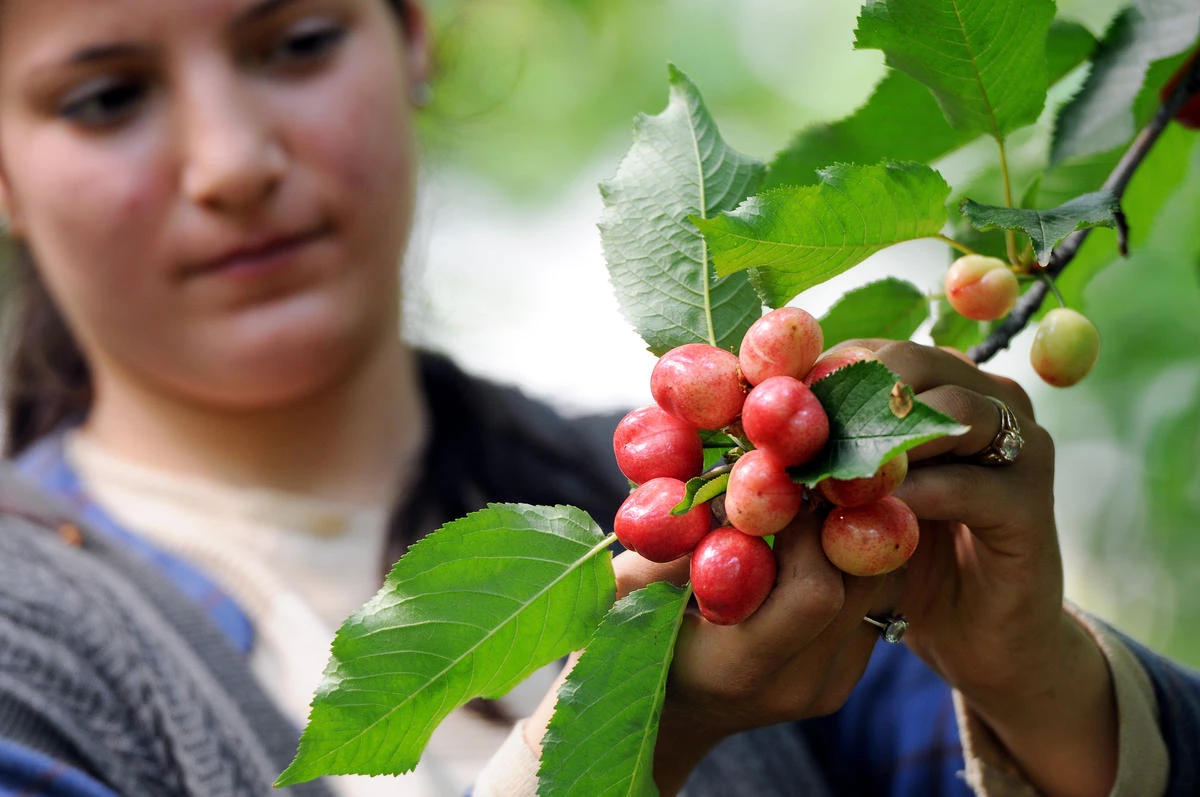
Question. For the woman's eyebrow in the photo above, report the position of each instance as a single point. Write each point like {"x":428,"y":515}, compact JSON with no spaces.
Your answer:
{"x":90,"y":54}
{"x":106,"y":52}
{"x":260,"y":10}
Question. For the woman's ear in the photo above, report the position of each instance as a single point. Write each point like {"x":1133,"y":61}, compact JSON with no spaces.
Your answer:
{"x":417,"y":53}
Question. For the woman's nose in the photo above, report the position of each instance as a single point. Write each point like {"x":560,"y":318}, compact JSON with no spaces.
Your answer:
{"x":234,"y":159}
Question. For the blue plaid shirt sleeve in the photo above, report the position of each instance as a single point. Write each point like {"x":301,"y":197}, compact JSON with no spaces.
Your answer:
{"x":897,"y":735}
{"x":25,"y":772}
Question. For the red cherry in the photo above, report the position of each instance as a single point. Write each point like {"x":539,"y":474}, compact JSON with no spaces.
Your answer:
{"x":650,"y":442}
{"x":699,"y":384}
{"x":781,"y":415}
{"x":857,"y":492}
{"x":870,"y":540}
{"x":644,"y":522}
{"x":732,"y":574}
{"x":761,"y":497}
{"x":784,"y":342}
{"x":836,"y":360}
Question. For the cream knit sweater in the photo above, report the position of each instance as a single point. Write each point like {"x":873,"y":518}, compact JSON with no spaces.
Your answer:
{"x":298,"y":567}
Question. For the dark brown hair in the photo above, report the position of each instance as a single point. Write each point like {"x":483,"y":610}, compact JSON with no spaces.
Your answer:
{"x":46,"y":381}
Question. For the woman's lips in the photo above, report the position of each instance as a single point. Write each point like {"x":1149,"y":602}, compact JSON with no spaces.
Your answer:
{"x":268,"y":254}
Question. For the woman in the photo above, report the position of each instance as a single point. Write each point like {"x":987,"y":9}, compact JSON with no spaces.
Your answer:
{"x":210,"y":199}
{"x":249,"y":415}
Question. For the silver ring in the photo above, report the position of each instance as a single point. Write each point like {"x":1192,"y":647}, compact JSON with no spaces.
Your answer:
{"x":1005,"y":448}
{"x":891,"y":628}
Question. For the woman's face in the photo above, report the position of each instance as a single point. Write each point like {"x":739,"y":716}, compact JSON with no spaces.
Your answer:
{"x":216,"y":192}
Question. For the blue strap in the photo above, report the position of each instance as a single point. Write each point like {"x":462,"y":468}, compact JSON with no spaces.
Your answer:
{"x":25,"y":772}
{"x":896,"y":735}
{"x":46,"y":465}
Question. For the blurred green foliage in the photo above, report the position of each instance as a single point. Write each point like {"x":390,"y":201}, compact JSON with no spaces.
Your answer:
{"x":529,"y":93}
{"x":1147,"y":388}
{"x":532,"y":94}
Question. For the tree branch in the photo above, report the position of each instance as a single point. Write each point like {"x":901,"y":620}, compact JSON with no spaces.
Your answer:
{"x":1066,"y":251}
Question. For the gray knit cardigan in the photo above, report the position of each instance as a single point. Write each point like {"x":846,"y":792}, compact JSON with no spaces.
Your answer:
{"x":106,"y":667}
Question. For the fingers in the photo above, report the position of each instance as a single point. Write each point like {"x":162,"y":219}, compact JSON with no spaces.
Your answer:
{"x":968,"y":408}
{"x":812,"y":600}
{"x":779,"y":663}
{"x":967,"y":494}
{"x":962,"y":355}
{"x":808,"y":594}
{"x":809,"y":591}
{"x":978,"y":496}
{"x":926,"y":367}
{"x":1018,"y":497}
{"x":634,"y":572}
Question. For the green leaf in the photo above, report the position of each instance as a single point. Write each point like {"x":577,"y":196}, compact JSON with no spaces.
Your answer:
{"x":601,"y":738}
{"x":903,"y":121}
{"x":699,"y":490}
{"x":1101,"y":115}
{"x":864,"y":432}
{"x":470,"y":611}
{"x":900,"y":121}
{"x":1068,"y":45}
{"x":715,"y":438}
{"x":956,"y":330}
{"x":798,"y":237}
{"x":984,"y":60}
{"x":678,"y":168}
{"x":890,"y":308}
{"x":716,"y":445}
{"x":1047,"y":227}
{"x":712,"y":488}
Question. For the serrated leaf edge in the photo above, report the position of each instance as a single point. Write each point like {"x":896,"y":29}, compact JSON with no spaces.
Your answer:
{"x":284,"y":779}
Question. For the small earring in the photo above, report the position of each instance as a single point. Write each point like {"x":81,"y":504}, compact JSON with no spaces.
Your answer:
{"x":421,"y":94}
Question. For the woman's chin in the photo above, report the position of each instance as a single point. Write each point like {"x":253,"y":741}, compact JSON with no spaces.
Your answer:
{"x":277,"y":373}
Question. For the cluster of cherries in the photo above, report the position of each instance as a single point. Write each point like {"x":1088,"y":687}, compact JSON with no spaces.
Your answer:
{"x":762,"y":398}
{"x":1066,"y":344}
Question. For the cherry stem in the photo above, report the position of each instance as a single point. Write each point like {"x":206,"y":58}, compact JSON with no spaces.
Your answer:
{"x":1010,"y":238}
{"x":966,"y":250}
{"x":1065,"y":252}
{"x":1049,"y":283}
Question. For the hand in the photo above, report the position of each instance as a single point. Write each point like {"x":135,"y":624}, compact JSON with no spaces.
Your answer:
{"x":798,"y":656}
{"x":984,"y":589}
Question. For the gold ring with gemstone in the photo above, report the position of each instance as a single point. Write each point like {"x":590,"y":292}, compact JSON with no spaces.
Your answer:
{"x":1005,"y":448}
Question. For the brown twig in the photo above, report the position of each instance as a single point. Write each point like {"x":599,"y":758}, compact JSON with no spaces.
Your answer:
{"x":1066,"y":251}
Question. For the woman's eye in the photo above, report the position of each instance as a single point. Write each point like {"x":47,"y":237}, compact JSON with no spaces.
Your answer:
{"x":306,"y":44}
{"x":103,"y":103}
